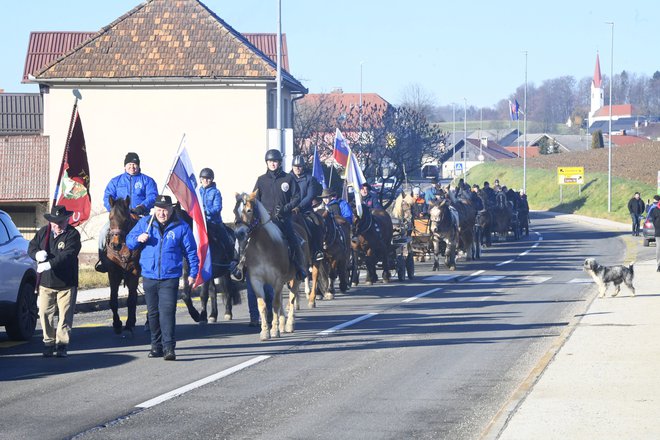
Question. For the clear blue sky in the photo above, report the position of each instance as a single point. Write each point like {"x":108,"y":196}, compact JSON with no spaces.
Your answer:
{"x":453,"y":50}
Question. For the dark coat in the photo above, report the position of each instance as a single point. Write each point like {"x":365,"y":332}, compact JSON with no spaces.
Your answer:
{"x":636,"y":206}
{"x":654,"y":216}
{"x":63,"y":253}
{"x":308,"y":190}
{"x":278,"y":192}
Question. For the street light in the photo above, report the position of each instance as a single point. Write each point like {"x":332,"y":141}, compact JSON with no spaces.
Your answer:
{"x":609,"y":161}
{"x":465,"y":140}
{"x":278,"y":50}
{"x":453,"y":137}
{"x":360,"y":109}
{"x":525,"y":129}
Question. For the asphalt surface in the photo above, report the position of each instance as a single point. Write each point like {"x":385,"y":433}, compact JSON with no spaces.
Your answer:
{"x":433,"y":358}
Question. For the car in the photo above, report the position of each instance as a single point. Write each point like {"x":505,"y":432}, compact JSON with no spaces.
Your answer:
{"x":18,"y":272}
{"x":648,"y":232}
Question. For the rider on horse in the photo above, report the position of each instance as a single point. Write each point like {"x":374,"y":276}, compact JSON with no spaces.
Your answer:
{"x":139,"y":188}
{"x":308,"y":186}
{"x":212,"y":201}
{"x":369,"y":198}
{"x":279,"y":194}
{"x":338,"y":207}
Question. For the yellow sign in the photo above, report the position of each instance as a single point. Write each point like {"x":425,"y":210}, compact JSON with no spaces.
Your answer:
{"x":570,"y":175}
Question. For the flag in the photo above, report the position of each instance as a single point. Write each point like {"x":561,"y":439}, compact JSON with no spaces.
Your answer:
{"x":183,"y":184}
{"x":73,"y":180}
{"x":355,"y":178}
{"x":317,"y":169}
{"x":514,"y":108}
{"x":341,"y":150}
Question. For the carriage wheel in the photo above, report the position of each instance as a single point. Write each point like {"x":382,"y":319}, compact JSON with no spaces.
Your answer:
{"x":400,"y":268}
{"x":410,"y":266}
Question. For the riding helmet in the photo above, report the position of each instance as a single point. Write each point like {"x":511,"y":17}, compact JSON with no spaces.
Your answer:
{"x":274,"y":155}
{"x":207,"y":173}
{"x":298,"y":161}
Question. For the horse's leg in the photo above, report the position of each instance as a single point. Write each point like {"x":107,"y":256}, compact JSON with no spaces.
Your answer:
{"x":312,"y":295}
{"x":115,"y":280}
{"x":291,"y":314}
{"x":131,"y":303}
{"x":436,"y":254}
{"x":258,"y":289}
{"x":342,"y":273}
{"x":226,"y":287}
{"x":278,"y":311}
{"x":203,"y":299}
{"x":213,"y":290}
{"x":386,"y":265}
{"x":372,"y":277}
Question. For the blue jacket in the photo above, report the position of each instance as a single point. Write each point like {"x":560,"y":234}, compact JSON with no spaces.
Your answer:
{"x":306,"y":184}
{"x":162,"y":255}
{"x":140,"y":188}
{"x":212,"y":201}
{"x":429,"y":195}
{"x":344,"y":209}
{"x":372,"y":201}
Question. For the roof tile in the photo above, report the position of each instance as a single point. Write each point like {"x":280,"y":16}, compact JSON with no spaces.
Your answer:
{"x":24,"y":161}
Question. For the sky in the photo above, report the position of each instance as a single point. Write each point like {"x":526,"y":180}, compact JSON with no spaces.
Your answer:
{"x":457,"y":52}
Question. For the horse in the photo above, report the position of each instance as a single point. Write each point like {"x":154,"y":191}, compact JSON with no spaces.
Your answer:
{"x":337,"y":250}
{"x":502,"y":213}
{"x":372,"y":237}
{"x":318,"y":272}
{"x":265,"y":254}
{"x":444,"y":228}
{"x":484,"y":220}
{"x":122,"y":263}
{"x":221,"y":256}
{"x":466,"y":215}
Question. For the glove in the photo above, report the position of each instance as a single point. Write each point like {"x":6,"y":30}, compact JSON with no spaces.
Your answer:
{"x":296,"y":210}
{"x":41,"y":256}
{"x":278,"y":213}
{"x":42,"y":267}
{"x":140,"y":210}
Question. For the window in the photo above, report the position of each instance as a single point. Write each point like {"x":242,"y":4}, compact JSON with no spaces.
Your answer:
{"x":4,"y":235}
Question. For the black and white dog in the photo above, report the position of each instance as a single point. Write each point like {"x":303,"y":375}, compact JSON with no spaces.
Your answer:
{"x":604,"y":275}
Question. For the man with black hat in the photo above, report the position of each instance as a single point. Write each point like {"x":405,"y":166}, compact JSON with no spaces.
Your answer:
{"x":55,"y":247}
{"x":139,"y":188}
{"x":165,"y":241}
{"x":279,"y":193}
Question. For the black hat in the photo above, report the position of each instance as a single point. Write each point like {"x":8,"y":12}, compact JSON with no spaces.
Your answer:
{"x":366,"y":185}
{"x":327,"y":192}
{"x":274,"y":155}
{"x":163,"y":201}
{"x":207,"y":173}
{"x":58,"y":214}
{"x":132,"y":158}
{"x":298,"y":161}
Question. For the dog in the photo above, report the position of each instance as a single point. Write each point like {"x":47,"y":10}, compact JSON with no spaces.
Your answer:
{"x":604,"y":275}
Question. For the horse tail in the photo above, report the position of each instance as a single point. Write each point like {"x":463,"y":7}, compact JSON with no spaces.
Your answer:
{"x":230,"y":291}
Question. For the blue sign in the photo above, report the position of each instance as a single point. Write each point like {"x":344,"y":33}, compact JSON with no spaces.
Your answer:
{"x":459,"y":166}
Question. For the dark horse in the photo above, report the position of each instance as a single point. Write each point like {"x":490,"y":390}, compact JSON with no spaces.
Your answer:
{"x":372,"y":238}
{"x":122,"y":263}
{"x":337,"y":250}
{"x":222,"y":253}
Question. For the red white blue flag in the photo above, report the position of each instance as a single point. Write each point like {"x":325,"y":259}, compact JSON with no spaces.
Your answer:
{"x":514,"y":108}
{"x":341,"y":150}
{"x":183,"y":184}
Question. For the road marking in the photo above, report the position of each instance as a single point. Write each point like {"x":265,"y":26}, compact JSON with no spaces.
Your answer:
{"x":504,"y":262}
{"x":440,"y":277}
{"x":581,"y":281}
{"x":90,"y":325}
{"x":535,"y":279}
{"x":346,"y":324}
{"x":526,"y":252}
{"x":487,"y":278}
{"x":212,"y":378}
{"x":428,"y":292}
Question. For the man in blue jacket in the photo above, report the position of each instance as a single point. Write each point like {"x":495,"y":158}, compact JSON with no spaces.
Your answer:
{"x":165,"y":241}
{"x":338,"y":207}
{"x":140,"y":188}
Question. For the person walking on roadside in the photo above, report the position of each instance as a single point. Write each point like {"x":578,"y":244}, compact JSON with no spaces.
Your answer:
{"x":55,"y":247}
{"x":165,"y":241}
{"x":139,"y":188}
{"x":654,"y":216}
{"x":636,"y":209}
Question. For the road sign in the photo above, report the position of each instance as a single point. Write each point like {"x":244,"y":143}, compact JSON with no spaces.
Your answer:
{"x":570,"y":175}
{"x":459,"y":166}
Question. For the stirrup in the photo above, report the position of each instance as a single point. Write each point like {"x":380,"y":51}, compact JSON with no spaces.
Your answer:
{"x":319,"y":256}
{"x":100,"y":267}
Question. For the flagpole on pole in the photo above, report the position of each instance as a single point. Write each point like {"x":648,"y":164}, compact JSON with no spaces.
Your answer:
{"x":169,"y":173}
{"x":77,"y":95}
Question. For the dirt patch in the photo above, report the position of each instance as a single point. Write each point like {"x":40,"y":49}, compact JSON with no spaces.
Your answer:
{"x":639,"y":162}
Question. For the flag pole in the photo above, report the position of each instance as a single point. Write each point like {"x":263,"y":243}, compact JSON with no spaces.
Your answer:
{"x":76,"y":93}
{"x":169,"y":173}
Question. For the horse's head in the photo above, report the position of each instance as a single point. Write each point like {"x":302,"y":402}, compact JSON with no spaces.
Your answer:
{"x":437,"y":212}
{"x":247,"y":209}
{"x":120,"y":221}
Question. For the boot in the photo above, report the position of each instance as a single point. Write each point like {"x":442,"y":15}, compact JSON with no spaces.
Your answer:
{"x":301,"y":272}
{"x":49,"y":351}
{"x":60,"y":352}
{"x":99,"y":266}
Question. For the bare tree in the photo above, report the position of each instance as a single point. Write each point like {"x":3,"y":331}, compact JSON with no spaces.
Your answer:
{"x":420,"y":100}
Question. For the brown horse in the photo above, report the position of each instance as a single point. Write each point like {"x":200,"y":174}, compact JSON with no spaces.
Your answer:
{"x":122,"y":263}
{"x":265,"y":255}
{"x":337,"y":250}
{"x":303,"y":231}
{"x":372,"y":238}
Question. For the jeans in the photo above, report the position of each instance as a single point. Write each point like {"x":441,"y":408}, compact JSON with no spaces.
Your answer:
{"x":635,"y":223}
{"x":161,"y":297}
{"x":252,"y":299}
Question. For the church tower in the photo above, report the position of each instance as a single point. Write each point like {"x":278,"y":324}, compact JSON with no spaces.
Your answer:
{"x":597,"y":98}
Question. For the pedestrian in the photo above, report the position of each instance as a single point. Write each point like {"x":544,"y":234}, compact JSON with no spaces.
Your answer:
{"x":654,"y":216}
{"x":56,"y":247}
{"x":653,"y":204}
{"x":636,"y":209}
{"x":165,"y":240}
{"x":139,"y":188}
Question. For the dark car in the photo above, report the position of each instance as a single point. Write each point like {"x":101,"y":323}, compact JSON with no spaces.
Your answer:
{"x":18,"y":303}
{"x":648,"y":232}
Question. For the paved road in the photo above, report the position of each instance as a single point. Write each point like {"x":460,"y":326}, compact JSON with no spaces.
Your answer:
{"x":434,"y":358}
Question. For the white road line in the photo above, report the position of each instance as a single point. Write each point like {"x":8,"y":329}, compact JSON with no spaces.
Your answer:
{"x":479,"y":272}
{"x":487,"y":278}
{"x":428,"y":292}
{"x":440,"y":277}
{"x":504,"y":262}
{"x":346,"y":324}
{"x":581,"y":281}
{"x":212,"y":378}
{"x":526,"y":252}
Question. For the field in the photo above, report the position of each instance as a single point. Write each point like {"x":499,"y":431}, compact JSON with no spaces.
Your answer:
{"x":634,"y":168}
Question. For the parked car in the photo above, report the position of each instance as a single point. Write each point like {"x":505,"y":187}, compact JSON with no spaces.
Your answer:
{"x":18,"y":275}
{"x":648,"y":232}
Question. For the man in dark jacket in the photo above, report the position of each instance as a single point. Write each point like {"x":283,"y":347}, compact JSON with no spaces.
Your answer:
{"x":279,"y":193}
{"x":56,"y":247}
{"x":309,"y":190}
{"x":369,"y":198}
{"x":654,"y":216}
{"x":636,"y":209}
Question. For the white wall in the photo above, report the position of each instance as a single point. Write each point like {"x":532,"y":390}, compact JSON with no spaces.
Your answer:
{"x":226,"y":130}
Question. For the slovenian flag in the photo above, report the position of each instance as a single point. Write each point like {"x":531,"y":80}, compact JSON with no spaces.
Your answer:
{"x":183,"y":184}
{"x":514,"y":107}
{"x":341,"y":150}
{"x":317,"y":170}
